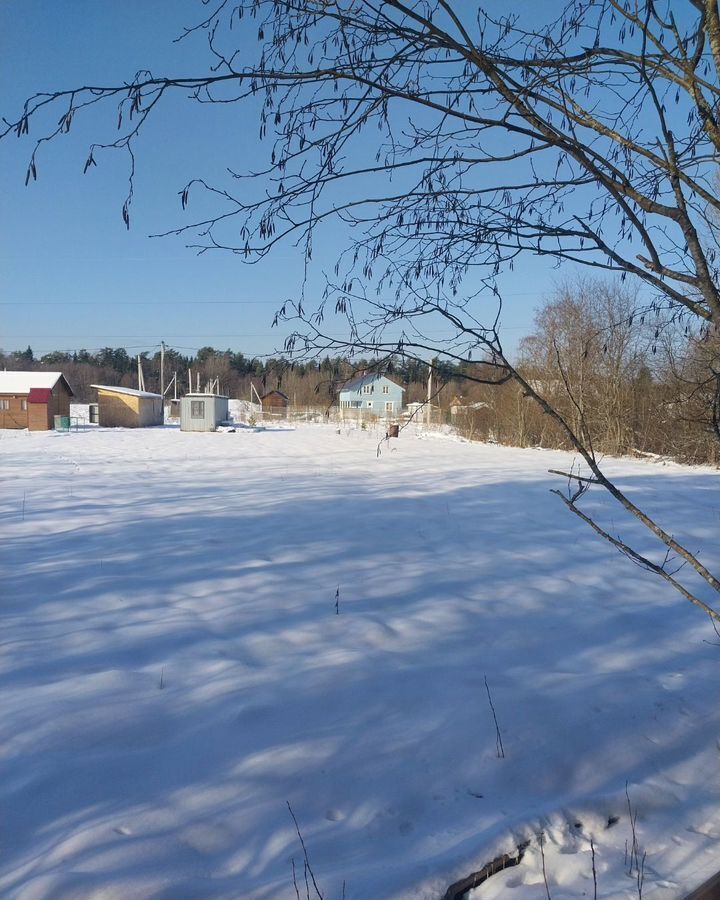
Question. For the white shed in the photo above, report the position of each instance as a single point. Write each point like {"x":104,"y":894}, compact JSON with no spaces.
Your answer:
{"x":202,"y":412}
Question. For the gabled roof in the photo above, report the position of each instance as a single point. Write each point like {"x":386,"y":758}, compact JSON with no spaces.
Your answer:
{"x":368,"y":378}
{"x":279,"y":393}
{"x":123,"y":390}
{"x":24,"y":382}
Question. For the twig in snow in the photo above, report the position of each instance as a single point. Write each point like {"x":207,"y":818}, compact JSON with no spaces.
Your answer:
{"x":295,"y":884}
{"x":635,"y":859}
{"x":541,"y":838}
{"x":161,"y":684}
{"x":641,"y":875}
{"x":634,"y":846}
{"x":499,"y":749}
{"x":337,"y":601}
{"x":594,"y":870}
{"x":308,"y":867}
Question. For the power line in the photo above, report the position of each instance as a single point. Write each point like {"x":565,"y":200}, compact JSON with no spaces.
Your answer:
{"x":238,"y":301}
{"x":124,"y":303}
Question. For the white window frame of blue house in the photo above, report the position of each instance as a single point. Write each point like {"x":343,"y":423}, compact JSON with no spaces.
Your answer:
{"x":368,"y":389}
{"x":389,"y":406}
{"x":386,"y":389}
{"x":369,"y":404}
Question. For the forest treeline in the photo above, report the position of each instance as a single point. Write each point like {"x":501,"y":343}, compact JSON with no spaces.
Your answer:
{"x":623,"y":375}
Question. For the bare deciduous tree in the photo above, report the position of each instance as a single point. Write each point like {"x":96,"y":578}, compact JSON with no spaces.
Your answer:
{"x":452,"y":142}
{"x":586,"y":353}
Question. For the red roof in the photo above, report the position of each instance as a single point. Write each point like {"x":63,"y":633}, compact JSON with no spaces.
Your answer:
{"x":39,"y":395}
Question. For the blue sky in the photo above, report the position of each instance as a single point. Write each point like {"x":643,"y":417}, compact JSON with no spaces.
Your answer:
{"x":71,"y":275}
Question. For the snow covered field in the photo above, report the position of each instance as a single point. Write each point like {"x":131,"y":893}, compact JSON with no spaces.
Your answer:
{"x":174,"y":672}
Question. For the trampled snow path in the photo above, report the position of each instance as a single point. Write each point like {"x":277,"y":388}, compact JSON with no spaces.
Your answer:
{"x":173,"y":670}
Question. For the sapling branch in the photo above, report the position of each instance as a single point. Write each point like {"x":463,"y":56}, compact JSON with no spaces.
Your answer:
{"x":638,"y":558}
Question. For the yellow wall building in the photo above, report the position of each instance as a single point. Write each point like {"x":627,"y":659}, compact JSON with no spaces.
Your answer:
{"x":120,"y":407}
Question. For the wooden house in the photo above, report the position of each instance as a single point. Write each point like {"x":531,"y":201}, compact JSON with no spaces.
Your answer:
{"x":120,"y":407}
{"x":202,"y":412}
{"x":275,"y":403}
{"x":32,"y":400}
{"x":371,"y":393}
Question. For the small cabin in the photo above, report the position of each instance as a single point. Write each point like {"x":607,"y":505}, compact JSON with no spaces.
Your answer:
{"x":32,"y":400}
{"x":203,"y":412}
{"x":275,"y":403}
{"x":120,"y":407}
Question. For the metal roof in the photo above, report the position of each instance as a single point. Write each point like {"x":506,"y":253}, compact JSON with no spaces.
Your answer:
{"x":368,"y":378}
{"x":123,"y":390}
{"x":39,"y":395}
{"x":24,"y":382}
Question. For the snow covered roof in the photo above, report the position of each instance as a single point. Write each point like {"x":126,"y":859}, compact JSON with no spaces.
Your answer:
{"x":123,"y":390}
{"x":204,"y":394}
{"x":24,"y":382}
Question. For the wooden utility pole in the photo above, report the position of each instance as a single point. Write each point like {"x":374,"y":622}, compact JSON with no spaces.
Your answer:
{"x":429,"y":395}
{"x":162,"y":368}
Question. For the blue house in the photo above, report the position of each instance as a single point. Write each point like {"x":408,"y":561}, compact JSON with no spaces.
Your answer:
{"x":372,"y":393}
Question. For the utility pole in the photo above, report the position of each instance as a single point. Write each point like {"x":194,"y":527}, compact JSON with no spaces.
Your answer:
{"x":429,"y":395}
{"x":141,"y":377}
{"x":162,"y":368}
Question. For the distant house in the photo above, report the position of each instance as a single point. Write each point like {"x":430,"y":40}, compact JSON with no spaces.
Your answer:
{"x":120,"y":407}
{"x":420,"y":412}
{"x":412,"y":409}
{"x":202,"y":412}
{"x":371,"y":393}
{"x":275,"y":403}
{"x":32,"y":399}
